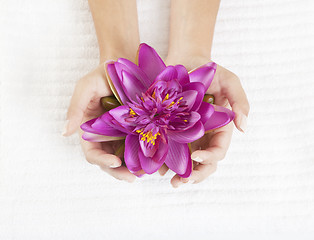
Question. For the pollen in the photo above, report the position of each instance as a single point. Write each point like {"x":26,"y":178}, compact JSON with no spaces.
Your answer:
{"x":166,"y":97}
{"x":132,"y":113}
{"x":148,"y":136}
{"x":173,"y":103}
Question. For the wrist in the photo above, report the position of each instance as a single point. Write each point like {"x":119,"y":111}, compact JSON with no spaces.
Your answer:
{"x":190,"y":60}
{"x":115,"y":51}
{"x":185,"y":51}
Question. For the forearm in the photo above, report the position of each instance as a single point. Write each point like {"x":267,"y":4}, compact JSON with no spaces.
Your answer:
{"x":116,"y":27}
{"x":192,"y":26}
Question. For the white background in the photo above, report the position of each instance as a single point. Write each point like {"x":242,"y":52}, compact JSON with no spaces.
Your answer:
{"x":263,"y":189}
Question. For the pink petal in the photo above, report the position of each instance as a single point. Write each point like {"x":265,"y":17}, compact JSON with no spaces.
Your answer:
{"x":148,"y":149}
{"x":115,"y":82}
{"x":191,"y":120}
{"x":120,"y":114}
{"x":178,"y":156}
{"x":132,"y":68}
{"x":131,"y":85}
{"x":189,"y":96}
{"x":150,"y":62}
{"x":101,"y":127}
{"x":203,"y":74}
{"x":188,"y":170}
{"x":131,"y":158}
{"x":118,"y":124}
{"x":221,"y":117}
{"x":161,"y":152}
{"x":148,"y":164}
{"x":206,"y":110}
{"x":189,"y":135}
{"x":91,"y":137}
{"x":199,"y":87}
{"x":183,"y":76}
{"x":168,"y":74}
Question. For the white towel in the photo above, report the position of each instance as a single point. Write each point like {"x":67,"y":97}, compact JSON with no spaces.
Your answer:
{"x":263,"y":189}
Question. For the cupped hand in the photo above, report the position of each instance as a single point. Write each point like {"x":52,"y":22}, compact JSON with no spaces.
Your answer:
{"x":212,"y":147}
{"x":85,"y":104}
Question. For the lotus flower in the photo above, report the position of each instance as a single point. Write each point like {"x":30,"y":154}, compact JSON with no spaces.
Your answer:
{"x":162,"y":110}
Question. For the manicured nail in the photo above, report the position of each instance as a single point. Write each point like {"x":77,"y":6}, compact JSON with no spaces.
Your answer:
{"x":65,"y":128}
{"x":197,"y":159}
{"x":192,"y":181}
{"x":185,"y":180}
{"x":114,"y":165}
{"x":243,"y":123}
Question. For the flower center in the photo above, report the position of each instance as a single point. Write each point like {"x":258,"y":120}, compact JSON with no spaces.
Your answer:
{"x":161,"y":108}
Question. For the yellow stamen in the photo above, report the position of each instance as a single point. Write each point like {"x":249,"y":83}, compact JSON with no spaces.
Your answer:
{"x":132,"y":113}
{"x":148,"y":136}
{"x":166,"y":97}
{"x":171,"y":104}
{"x":154,"y":94}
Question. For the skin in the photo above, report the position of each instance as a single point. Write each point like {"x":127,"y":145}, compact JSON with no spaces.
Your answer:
{"x":118,"y":40}
{"x":191,"y":35}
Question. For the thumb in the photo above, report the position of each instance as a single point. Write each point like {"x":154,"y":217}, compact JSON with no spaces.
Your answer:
{"x":81,"y":97}
{"x":236,"y":96}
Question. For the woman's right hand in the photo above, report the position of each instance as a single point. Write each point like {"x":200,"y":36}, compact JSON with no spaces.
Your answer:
{"x":85,"y":104}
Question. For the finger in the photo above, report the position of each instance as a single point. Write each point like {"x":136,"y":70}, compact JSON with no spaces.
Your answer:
{"x":217,"y":146}
{"x":95,"y":154}
{"x":175,"y":181}
{"x":163,"y":170}
{"x":201,"y":172}
{"x":120,"y":173}
{"x":82,"y":95}
{"x":231,"y":88}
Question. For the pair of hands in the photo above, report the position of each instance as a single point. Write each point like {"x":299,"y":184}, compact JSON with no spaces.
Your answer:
{"x":206,"y":152}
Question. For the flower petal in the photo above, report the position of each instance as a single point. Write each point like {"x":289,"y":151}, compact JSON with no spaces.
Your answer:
{"x":148,"y":149}
{"x":120,"y":114}
{"x":190,"y":97}
{"x":131,"y":158}
{"x":91,"y":137}
{"x":203,"y":74}
{"x":161,"y":152}
{"x":168,"y":74}
{"x":102,"y":126}
{"x":189,"y":135}
{"x":221,"y":117}
{"x":132,"y":68}
{"x":183,"y":75}
{"x":131,"y":85}
{"x":178,"y":156}
{"x":149,"y":61}
{"x":188,"y":170}
{"x":115,"y":82}
{"x":206,"y":110}
{"x":199,"y":88}
{"x":148,"y":164}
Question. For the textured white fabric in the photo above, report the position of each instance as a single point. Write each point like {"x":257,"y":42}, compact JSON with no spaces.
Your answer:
{"x":263,"y":189}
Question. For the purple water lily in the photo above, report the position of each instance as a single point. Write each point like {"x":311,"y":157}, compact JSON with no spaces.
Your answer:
{"x":162,"y":111}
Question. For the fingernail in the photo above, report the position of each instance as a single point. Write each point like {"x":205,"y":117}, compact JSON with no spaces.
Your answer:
{"x":114,"y":165}
{"x":192,"y":181}
{"x":243,"y":123}
{"x":185,"y":180}
{"x":197,"y":159}
{"x":65,"y":128}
